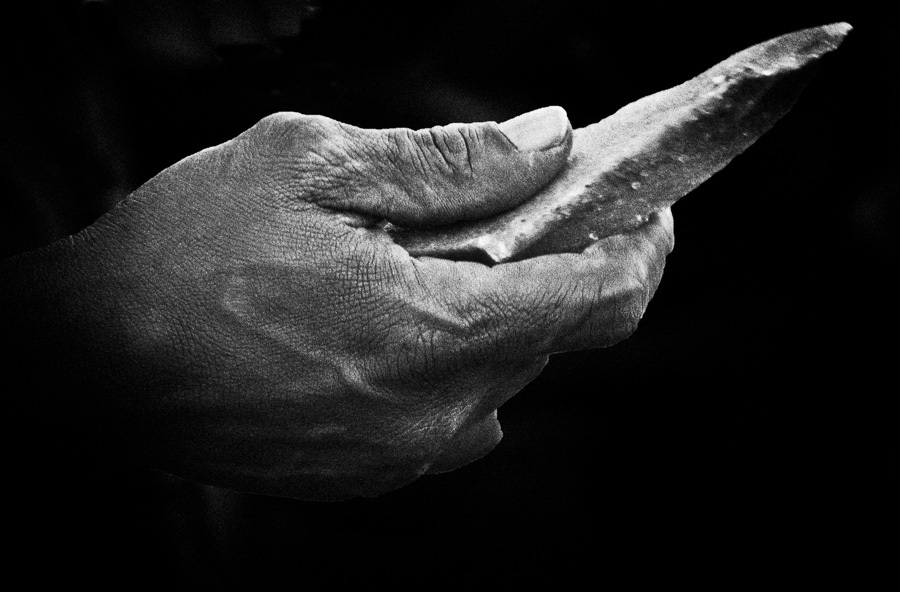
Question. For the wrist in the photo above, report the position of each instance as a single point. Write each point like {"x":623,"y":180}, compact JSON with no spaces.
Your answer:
{"x":49,"y":302}
{"x":39,"y":296}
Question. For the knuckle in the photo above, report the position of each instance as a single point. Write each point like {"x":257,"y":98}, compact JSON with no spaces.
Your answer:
{"x":554,"y":307}
{"x":629,"y":306}
{"x":502,"y":320}
{"x":489,"y":327}
{"x":450,"y":150}
{"x":621,"y":303}
{"x":310,"y":155}
{"x":456,"y":145}
{"x":292,"y":132}
{"x":626,"y":325}
{"x":422,"y":433}
{"x":282,"y":118}
{"x":276,"y":120}
{"x":277,"y":125}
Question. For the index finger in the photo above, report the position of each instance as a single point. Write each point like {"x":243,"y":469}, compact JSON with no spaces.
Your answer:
{"x":559,"y":302}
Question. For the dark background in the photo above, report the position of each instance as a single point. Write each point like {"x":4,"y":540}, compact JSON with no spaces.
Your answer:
{"x":745,"y":432}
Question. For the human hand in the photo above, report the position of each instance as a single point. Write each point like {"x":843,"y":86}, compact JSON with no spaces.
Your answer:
{"x":254,"y":327}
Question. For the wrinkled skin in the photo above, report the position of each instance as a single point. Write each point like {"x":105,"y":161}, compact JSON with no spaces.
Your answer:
{"x":252,"y":327}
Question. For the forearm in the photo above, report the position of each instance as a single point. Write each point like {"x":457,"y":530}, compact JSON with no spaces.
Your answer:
{"x":47,"y":424}
{"x":40,"y":305}
{"x":37,"y":294}
{"x":57,"y":306}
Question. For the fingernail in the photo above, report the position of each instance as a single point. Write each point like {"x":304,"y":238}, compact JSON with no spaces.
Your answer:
{"x":537,"y":130}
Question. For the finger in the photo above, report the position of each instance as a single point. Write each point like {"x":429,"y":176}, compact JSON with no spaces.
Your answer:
{"x":666,"y":241}
{"x":481,"y":432}
{"x":558,"y":302}
{"x":470,"y":443}
{"x":634,"y":264}
{"x":462,"y":172}
{"x":431,"y":176}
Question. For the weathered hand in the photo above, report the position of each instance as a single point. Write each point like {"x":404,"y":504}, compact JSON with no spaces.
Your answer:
{"x":251,"y":325}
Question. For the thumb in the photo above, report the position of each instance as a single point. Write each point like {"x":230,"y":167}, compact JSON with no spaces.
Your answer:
{"x":458,"y":172}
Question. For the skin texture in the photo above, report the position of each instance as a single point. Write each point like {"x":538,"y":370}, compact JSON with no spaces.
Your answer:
{"x":243,"y":320}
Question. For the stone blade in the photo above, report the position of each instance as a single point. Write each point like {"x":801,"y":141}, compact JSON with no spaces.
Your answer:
{"x":645,"y":156}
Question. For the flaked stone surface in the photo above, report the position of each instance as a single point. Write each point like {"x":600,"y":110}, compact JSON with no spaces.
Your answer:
{"x":645,"y":156}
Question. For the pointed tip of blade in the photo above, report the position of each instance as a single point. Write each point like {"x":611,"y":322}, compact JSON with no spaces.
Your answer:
{"x":799,"y":49}
{"x":838,"y":29}
{"x":830,"y":35}
{"x":834,"y":33}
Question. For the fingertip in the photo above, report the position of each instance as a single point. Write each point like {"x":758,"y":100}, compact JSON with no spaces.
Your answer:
{"x":668,"y":222}
{"x":541,"y":141}
{"x":660,"y":230}
{"x":528,"y":152}
{"x":541,"y":129}
{"x":656,"y":231}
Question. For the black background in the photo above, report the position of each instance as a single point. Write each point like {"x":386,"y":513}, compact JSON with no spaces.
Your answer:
{"x":745,"y":432}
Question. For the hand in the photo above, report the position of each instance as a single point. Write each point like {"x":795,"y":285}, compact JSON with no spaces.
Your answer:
{"x":251,"y":326}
